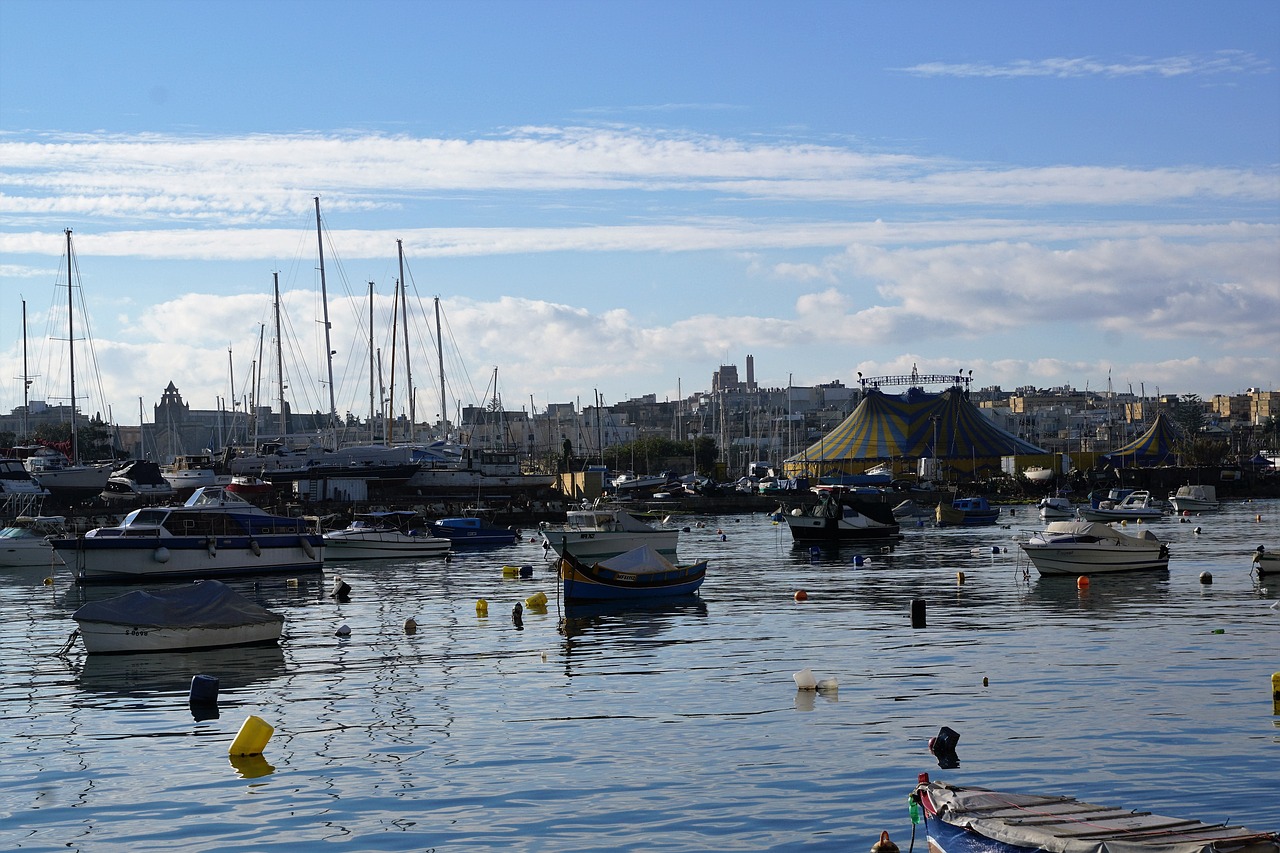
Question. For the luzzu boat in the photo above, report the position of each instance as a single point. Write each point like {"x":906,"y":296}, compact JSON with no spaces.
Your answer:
{"x":639,"y":574}
{"x":976,"y":820}
{"x":215,"y":533}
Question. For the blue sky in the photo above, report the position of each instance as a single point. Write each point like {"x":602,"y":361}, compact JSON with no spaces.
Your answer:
{"x":619,"y":197}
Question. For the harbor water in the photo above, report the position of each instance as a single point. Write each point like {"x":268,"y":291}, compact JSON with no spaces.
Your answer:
{"x":664,"y":727}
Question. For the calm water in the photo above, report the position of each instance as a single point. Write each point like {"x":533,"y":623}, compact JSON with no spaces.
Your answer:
{"x":672,"y":728}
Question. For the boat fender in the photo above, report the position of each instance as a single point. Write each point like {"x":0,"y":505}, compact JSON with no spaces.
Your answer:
{"x":160,"y":555}
{"x":255,"y":547}
{"x":307,"y":547}
{"x":212,"y":544}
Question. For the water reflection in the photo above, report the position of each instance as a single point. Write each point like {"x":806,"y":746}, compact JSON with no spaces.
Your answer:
{"x":628,"y":618}
{"x":171,"y":672}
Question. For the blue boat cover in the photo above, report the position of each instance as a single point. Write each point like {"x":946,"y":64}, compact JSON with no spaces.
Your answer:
{"x":203,"y":604}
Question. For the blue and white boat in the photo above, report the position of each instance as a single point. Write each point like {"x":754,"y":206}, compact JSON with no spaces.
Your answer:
{"x":471,"y":531}
{"x":639,"y":574}
{"x":215,"y":533}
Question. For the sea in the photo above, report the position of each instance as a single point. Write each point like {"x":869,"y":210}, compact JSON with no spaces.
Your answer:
{"x":673,"y":726}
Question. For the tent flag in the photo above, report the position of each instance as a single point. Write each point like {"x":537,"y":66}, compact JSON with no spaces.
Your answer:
{"x":914,"y":425}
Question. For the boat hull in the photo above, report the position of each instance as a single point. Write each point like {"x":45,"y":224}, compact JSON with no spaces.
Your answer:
{"x":593,"y":582}
{"x":806,"y":528}
{"x":94,"y":559}
{"x":590,"y":546}
{"x":1090,"y":561}
{"x":105,"y":638}
{"x":375,"y":546}
{"x":966,"y":518}
{"x":28,"y":554}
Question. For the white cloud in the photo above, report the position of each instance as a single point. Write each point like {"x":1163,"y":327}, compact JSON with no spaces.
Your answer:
{"x":1220,"y":63}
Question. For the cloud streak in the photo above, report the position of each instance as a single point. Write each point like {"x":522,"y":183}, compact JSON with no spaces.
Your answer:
{"x":1221,"y":63}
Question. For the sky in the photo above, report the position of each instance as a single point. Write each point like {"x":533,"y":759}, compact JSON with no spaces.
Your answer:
{"x":616,"y":198}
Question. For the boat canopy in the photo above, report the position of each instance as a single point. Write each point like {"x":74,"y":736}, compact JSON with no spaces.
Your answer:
{"x":204,"y":604}
{"x":638,"y":561}
{"x":1096,"y":530}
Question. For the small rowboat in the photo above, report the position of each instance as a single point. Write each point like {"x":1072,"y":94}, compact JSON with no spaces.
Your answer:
{"x":637,"y":574}
{"x":966,"y":820}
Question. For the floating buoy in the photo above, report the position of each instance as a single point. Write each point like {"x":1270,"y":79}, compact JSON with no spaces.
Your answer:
{"x":204,"y":690}
{"x":343,"y":631}
{"x":410,"y":626}
{"x":482,"y":607}
{"x":1082,"y":581}
{"x":724,"y":538}
{"x":984,"y":681}
{"x":917,"y":613}
{"x":884,"y":845}
{"x":341,"y":590}
{"x":1206,"y":578}
{"x":537,"y":601}
{"x":510,"y":571}
{"x":858,"y":559}
{"x":1196,"y":531}
{"x":959,"y":577}
{"x":995,"y":549}
{"x":48,"y":581}
{"x":801,"y":595}
{"x":252,"y":738}
{"x":1275,"y":687}
{"x":828,"y":685}
{"x":526,"y":571}
{"x":804,"y":679}
{"x":292,"y":583}
{"x":1259,"y":518}
{"x":1219,"y":631}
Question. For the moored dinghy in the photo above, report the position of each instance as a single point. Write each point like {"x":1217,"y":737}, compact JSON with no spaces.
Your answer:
{"x":206,"y":614}
{"x":977,"y":820}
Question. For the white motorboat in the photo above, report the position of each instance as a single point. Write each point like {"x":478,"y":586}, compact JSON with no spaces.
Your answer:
{"x":214,"y":533}
{"x":1135,"y":506}
{"x":598,"y":533}
{"x":54,"y":471}
{"x":1195,"y":499}
{"x":1056,"y":509}
{"x":137,"y":482}
{"x":24,"y":544}
{"x":384,"y":535}
{"x":1037,"y":474}
{"x":1090,"y":547}
{"x":202,"y":615}
{"x":194,"y":471}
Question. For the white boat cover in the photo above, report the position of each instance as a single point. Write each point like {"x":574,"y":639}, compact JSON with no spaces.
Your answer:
{"x":203,"y":604}
{"x":638,"y":561}
{"x":1098,"y":529}
{"x":1066,"y":825}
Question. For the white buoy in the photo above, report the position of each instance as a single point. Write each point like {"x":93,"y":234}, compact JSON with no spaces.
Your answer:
{"x":804,"y":679}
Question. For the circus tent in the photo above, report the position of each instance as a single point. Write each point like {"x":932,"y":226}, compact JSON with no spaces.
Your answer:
{"x":1154,"y":447}
{"x":943,"y":426}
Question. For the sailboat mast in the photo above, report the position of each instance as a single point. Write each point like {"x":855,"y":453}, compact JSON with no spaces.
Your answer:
{"x":26,"y":377}
{"x":404,"y":309}
{"x":372,"y":435}
{"x":444,"y":406}
{"x":275,"y":277}
{"x":328,"y":346}
{"x":231,"y":378}
{"x":395,"y":328}
{"x":71,"y":362}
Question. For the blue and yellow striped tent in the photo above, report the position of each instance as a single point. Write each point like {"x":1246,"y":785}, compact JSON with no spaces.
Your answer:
{"x":1156,"y":446}
{"x":914,"y":425}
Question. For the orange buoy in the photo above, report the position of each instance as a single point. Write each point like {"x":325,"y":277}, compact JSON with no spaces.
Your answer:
{"x":1082,"y":581}
{"x":801,"y":595}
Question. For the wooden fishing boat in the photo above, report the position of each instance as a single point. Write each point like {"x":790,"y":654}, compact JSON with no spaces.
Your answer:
{"x":637,"y":574}
{"x":977,"y":820}
{"x":206,"y":614}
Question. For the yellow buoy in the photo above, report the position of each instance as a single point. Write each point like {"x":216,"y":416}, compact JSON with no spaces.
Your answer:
{"x":482,"y":607}
{"x":959,"y":577}
{"x":511,"y":571}
{"x":536,"y":601}
{"x":253,"y":737}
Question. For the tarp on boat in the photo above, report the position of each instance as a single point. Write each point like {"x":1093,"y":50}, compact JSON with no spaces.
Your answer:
{"x":914,"y":425}
{"x":204,"y":604}
{"x":638,"y":561}
{"x":1153,"y":447}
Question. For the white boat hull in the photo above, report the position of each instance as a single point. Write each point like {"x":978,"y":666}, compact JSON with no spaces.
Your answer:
{"x":28,"y":554}
{"x":105,"y":638}
{"x":134,"y":557}
{"x":1092,"y":561}
{"x":593,"y":546}
{"x":383,"y":546}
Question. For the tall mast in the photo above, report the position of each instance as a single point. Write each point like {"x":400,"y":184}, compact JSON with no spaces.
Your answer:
{"x":444,"y":406}
{"x":26,"y":377}
{"x":275,"y":277}
{"x":231,"y":377}
{"x":372,"y":427}
{"x":395,"y":328}
{"x":404,"y":312}
{"x":71,"y":346}
{"x":328,"y":347}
